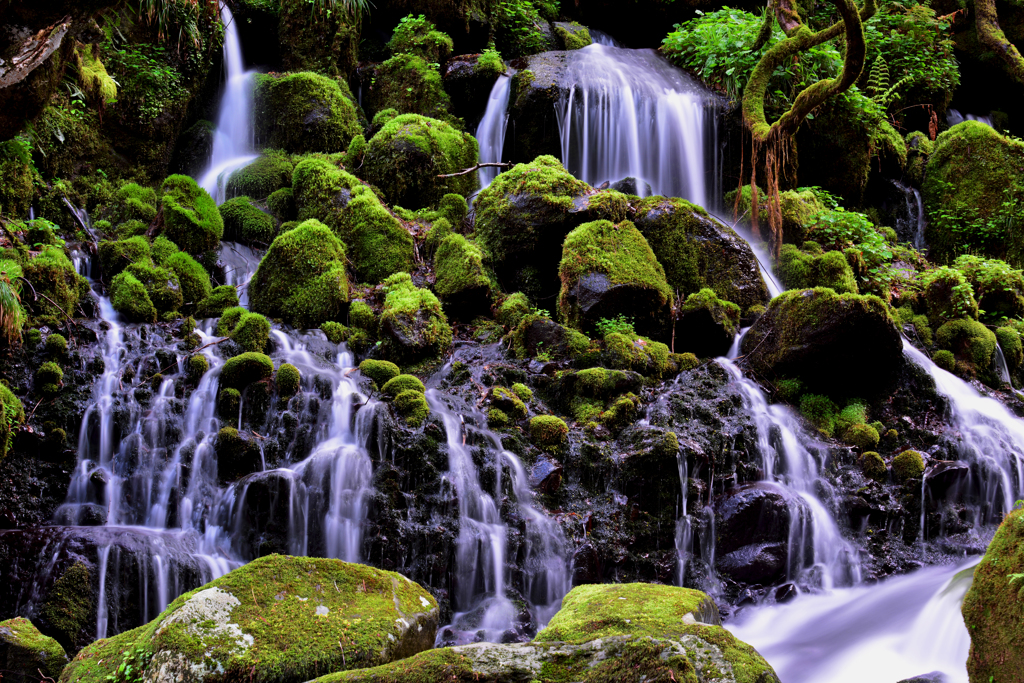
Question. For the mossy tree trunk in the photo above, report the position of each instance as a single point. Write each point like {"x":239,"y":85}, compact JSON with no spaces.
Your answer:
{"x":775,"y":139}
{"x":991,"y":35}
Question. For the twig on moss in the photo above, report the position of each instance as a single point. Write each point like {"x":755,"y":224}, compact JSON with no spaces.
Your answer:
{"x":495,"y":164}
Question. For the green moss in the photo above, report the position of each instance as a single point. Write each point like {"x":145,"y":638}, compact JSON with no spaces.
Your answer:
{"x":129,"y":297}
{"x":573,"y":35}
{"x":15,"y":178}
{"x":908,"y":465}
{"x":406,"y":156}
{"x":52,"y":274}
{"x":220,"y":299}
{"x":162,"y":285}
{"x":33,"y":338}
{"x":945,"y":360}
{"x":133,"y":202}
{"x":459,"y":268}
{"x":243,"y":222}
{"x":497,"y":419}
{"x":439,"y":230}
{"x":282,"y":204}
{"x":969,"y":340}
{"x":288,"y":380}
{"x":191,"y":218}
{"x":302,"y":277}
{"x":304,"y":112}
{"x":269,"y":173}
{"x":513,"y":309}
{"x":414,"y":316}
{"x":193,"y":278}
{"x":1009,"y":341}
{"x":685,"y":361}
{"x":162,"y":249}
{"x":508,"y":402}
{"x":998,"y":288}
{"x":919,"y":148}
{"x":872,"y":465}
{"x":800,"y":270}
{"x":13,"y":415}
{"x":948,"y":296}
{"x":548,"y":431}
{"x":410,"y":85}
{"x":523,"y":392}
{"x":381,"y":118}
{"x":412,"y":405}
{"x":49,"y":373}
{"x":417,"y":36}
{"x":862,"y":436}
{"x":706,"y":305}
{"x":629,"y":352}
{"x":821,"y":411}
{"x":381,"y":371}
{"x":134,"y":228}
{"x":196,"y":367}
{"x":454,"y":208}
{"x":243,"y":370}
{"x":28,"y":653}
{"x":57,"y":345}
{"x":251,"y":331}
{"x":228,"y":402}
{"x":621,"y":253}
{"x":402,"y":383}
{"x":789,"y":390}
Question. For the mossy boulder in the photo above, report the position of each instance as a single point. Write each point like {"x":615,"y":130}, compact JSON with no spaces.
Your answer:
{"x":970,"y":176}
{"x":707,"y":326}
{"x":222,"y":630}
{"x":908,"y":465}
{"x":697,"y":251}
{"x":288,"y":380}
{"x":522,"y":219}
{"x":549,"y":431}
{"x":15,"y":179}
{"x":573,"y":36}
{"x":241,"y":371}
{"x":802,"y":270}
{"x":237,"y":455}
{"x":270,"y":172}
{"x":462,"y":284}
{"x":282,"y":204}
{"x":380,"y":371}
{"x":219,"y":299}
{"x":969,"y":341}
{"x":993,"y":610}
{"x":14,"y":412}
{"x":321,"y":41}
{"x":52,"y":273}
{"x":408,"y":84}
{"x":872,"y":465}
{"x":129,"y":297}
{"x":244,"y":222}
{"x":998,"y":288}
{"x":608,"y":270}
{"x":26,"y":654}
{"x":413,"y":326}
{"x":117,"y":255}
{"x":134,"y":202}
{"x":513,"y":309}
{"x":302,"y":277}
{"x":412,"y":405}
{"x":845,"y":344}
{"x":798,"y":209}
{"x":406,"y":156}
{"x":538,"y":335}
{"x":190,"y":216}
{"x":193,"y":278}
{"x":162,"y":285}
{"x":304,"y":112}
{"x":948,"y":296}
{"x":249,"y":330}
{"x":377,"y":243}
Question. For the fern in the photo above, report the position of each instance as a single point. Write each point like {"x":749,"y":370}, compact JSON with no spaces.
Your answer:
{"x":878,"y":79}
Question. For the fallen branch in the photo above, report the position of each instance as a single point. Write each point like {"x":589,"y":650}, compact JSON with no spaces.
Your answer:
{"x":33,"y":52}
{"x":36,"y":294}
{"x":490,"y":164}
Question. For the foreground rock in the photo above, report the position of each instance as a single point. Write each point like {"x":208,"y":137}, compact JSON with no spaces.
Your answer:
{"x":837,"y":344}
{"x":26,"y":654}
{"x":277,"y":618}
{"x":612,"y":632}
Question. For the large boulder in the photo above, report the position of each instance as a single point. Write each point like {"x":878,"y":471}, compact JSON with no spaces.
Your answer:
{"x":190,"y":216}
{"x":845,"y":344}
{"x":608,"y":271}
{"x":706,"y":326}
{"x":611,"y":632}
{"x":462,"y":284}
{"x":405,"y":158}
{"x":536,"y":92}
{"x":992,"y":609}
{"x":377,"y":243}
{"x":304,"y":112}
{"x":413,"y":325}
{"x":971,"y":175}
{"x":278,"y":618}
{"x":302,"y":277}
{"x":697,"y":251}
{"x":408,"y":84}
{"x":468,"y":80}
{"x":26,"y":655}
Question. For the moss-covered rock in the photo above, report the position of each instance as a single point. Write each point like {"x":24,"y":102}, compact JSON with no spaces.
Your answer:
{"x":707,"y":326}
{"x":302,"y":277}
{"x":1009,"y":341}
{"x":162,"y":285}
{"x":413,"y":325}
{"x":13,"y":415}
{"x":57,"y":344}
{"x":462,"y":285}
{"x":318,"y":39}
{"x":162,"y":249}
{"x":361,"y":316}
{"x":402,"y":383}
{"x":864,"y":437}
{"x":697,"y":251}
{"x":193,"y":278}
{"x":412,"y":405}
{"x":969,"y":341}
{"x":998,"y":288}
{"x":908,"y":465}
{"x":196,"y":366}
{"x":410,"y":85}
{"x":244,"y":222}
{"x":67,"y":609}
{"x":15,"y":179}
{"x":630,"y":352}
{"x":872,"y":465}
{"x":270,"y":172}
{"x":228,"y":403}
{"x":222,"y":629}
{"x":539,"y":336}
{"x":52,"y":274}
{"x":377,"y":243}
{"x":948,"y":296}
{"x":418,"y":36}
{"x":220,"y":299}
{"x":249,"y":330}
{"x":190,"y":216}
{"x":513,"y":309}
{"x":802,"y":270}
{"x":970,"y":176}
{"x":609,"y":270}
{"x":282,"y":204}
{"x":134,"y":202}
{"x":380,"y":371}
{"x":237,"y":455}
{"x":288,"y":380}
{"x":573,"y":35}
{"x":129,"y":297}
{"x":241,"y":371}
{"x":304,"y":112}
{"x":405,"y":158}
{"x":549,"y":431}
{"x":117,"y":255}
{"x":26,"y":654}
{"x":798,"y":209}
{"x":837,"y":344}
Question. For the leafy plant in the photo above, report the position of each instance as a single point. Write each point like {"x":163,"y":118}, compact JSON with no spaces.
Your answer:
{"x":620,"y":324}
{"x":517,"y":24}
{"x":12,"y":315}
{"x":325,"y":9}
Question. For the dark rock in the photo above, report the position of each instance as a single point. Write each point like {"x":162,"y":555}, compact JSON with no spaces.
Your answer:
{"x":942,"y":475}
{"x":469,"y":86}
{"x":758,"y":563}
{"x":546,"y":474}
{"x":533,"y":125}
{"x":786,"y":592}
{"x":755,"y":514}
{"x":594,"y":296}
{"x":193,"y":150}
{"x":933,"y":677}
{"x":633,"y":186}
{"x":26,"y":654}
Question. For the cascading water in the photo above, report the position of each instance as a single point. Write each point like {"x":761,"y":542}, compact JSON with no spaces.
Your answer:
{"x":631,"y":114}
{"x":233,"y":137}
{"x":490,"y":134}
{"x":911,"y":222}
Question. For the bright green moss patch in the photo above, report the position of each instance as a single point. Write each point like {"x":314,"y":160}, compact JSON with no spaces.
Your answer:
{"x":57,"y":344}
{"x":412,"y":405}
{"x":513,"y":309}
{"x":302,"y":277}
{"x":908,"y":465}
{"x":128,"y":296}
{"x":28,"y":652}
{"x":282,"y":204}
{"x":573,"y":35}
{"x":360,"y":315}
{"x":872,"y":465}
{"x":68,"y":605}
{"x":417,"y":36}
{"x":380,"y":371}
{"x":945,"y":360}
{"x":52,"y":274}
{"x":220,"y":299}
{"x":162,"y":285}
{"x":410,"y":85}
{"x":191,"y":218}
{"x":948,"y":296}
{"x":193,"y":278}
{"x":1009,"y":341}
{"x":243,"y":222}
{"x":269,"y":173}
{"x":402,"y":383}
{"x":304,"y":112}
{"x":249,"y":330}
{"x":862,"y":436}
{"x":548,"y":431}
{"x":243,"y":370}
{"x":288,"y":380}
{"x":801,"y":270}
{"x":461,"y":281}
{"x":133,"y":202}
{"x":969,"y":340}
{"x":413,"y":324}
{"x":196,"y":367}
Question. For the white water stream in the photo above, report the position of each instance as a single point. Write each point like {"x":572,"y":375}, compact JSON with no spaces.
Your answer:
{"x":490,"y":134}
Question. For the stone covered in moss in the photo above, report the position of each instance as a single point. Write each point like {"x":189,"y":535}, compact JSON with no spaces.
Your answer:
{"x":162,"y":285}
{"x":228,"y":402}
{"x":244,"y":222}
{"x":798,"y":209}
{"x":573,"y":35}
{"x":249,"y":330}
{"x":282,"y":204}
{"x":191,"y":219}
{"x":304,"y":112}
{"x":57,"y":344}
{"x":609,"y":270}
{"x":405,"y":158}
{"x":548,"y":431}
{"x":288,"y":380}
{"x":237,"y":455}
{"x":133,"y":202}
{"x":117,"y":255}
{"x":1009,"y":341}
{"x":948,"y":296}
{"x":402,"y":383}
{"x":222,"y":628}
{"x":872,"y":465}
{"x":537,"y":335}
{"x":707,"y":325}
{"x":361,"y":316}
{"x":320,"y":40}
{"x":269,"y":173}
{"x":697,"y":251}
{"x":998,"y":288}
{"x":908,"y":465}
{"x":802,"y":270}
{"x":969,"y":341}
{"x":413,"y":325}
{"x":243,"y":370}
{"x":864,"y":437}
{"x":522,"y":219}
{"x":377,"y":243}
{"x":513,"y":309}
{"x":52,"y":274}
{"x":631,"y":352}
{"x":14,"y":412}
{"x":462,"y":285}
{"x":412,"y":405}
{"x":380,"y":371}
{"x":25,"y":653}
{"x":196,"y":366}
{"x":302,"y":277}
{"x":193,"y":278}
{"x":220,"y":299}
{"x":15,"y":178}
{"x":128,"y":296}
{"x":838,"y":344}
{"x":410,"y":85}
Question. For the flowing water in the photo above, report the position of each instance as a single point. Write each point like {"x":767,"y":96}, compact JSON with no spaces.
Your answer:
{"x":491,"y":131}
{"x":233,"y":139}
{"x":910,"y":221}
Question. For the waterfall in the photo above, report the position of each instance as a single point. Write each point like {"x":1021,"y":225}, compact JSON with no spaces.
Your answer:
{"x":631,"y":114}
{"x":953,"y":117}
{"x":911,"y":224}
{"x":491,"y":131}
{"x":233,"y":137}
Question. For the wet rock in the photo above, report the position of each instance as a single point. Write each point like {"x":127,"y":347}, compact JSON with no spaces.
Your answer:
{"x":469,"y":85}
{"x":536,"y":90}
{"x":785,"y":593}
{"x":763,"y":563}
{"x":329,"y":615}
{"x":586,"y":565}
{"x":933,"y":677}
{"x":633,"y":186}
{"x":26,"y":654}
{"x":943,"y":475}
{"x":755,"y":515}
{"x":546,"y":474}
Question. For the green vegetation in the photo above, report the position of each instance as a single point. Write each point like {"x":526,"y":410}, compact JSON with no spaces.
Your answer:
{"x":288,"y":380}
{"x":380,"y":371}
{"x":402,"y":383}
{"x":271,"y":172}
{"x":415,"y":35}
{"x":243,"y":370}
{"x":548,"y":431}
{"x":191,"y":218}
{"x":412,"y":321}
{"x":68,"y":605}
{"x":304,"y":112}
{"x":410,"y":85}
{"x":251,"y":331}
{"x":244,"y":222}
{"x":908,"y":465}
